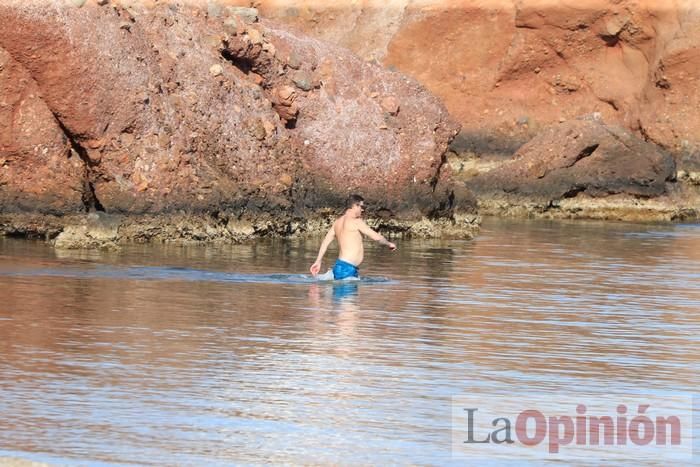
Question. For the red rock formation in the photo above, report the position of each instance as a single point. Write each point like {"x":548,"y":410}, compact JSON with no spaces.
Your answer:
{"x":362,"y":128}
{"x":507,"y":68}
{"x":176,"y":106}
{"x":38,"y":170}
{"x":580,"y":156}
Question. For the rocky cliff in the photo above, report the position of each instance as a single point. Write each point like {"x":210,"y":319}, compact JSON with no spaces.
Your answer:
{"x":506,"y":68}
{"x":509,"y":70}
{"x":147,"y":108}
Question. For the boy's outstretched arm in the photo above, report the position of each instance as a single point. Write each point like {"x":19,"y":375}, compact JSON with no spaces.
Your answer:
{"x":374,"y":235}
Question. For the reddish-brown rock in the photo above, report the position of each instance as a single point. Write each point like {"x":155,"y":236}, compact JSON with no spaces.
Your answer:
{"x":580,"y":156}
{"x":38,"y":170}
{"x":176,"y":106}
{"x":351,"y":140}
{"x":508,"y":68}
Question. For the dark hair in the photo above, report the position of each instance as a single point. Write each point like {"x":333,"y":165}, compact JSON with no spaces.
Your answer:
{"x":353,"y":200}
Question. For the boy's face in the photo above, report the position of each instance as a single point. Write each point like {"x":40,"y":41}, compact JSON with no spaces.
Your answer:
{"x":358,"y":209}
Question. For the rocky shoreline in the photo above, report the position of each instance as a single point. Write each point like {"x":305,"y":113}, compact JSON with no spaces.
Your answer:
{"x":680,"y":203}
{"x":614,"y":208}
{"x":583,"y":169}
{"x":104,"y":231}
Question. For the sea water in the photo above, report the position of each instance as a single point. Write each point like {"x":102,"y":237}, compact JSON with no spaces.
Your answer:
{"x":220,"y":355}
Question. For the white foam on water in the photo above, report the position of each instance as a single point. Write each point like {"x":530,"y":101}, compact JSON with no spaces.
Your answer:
{"x":182,"y":274}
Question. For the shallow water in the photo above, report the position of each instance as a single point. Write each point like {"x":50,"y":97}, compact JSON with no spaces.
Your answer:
{"x":229,"y":355}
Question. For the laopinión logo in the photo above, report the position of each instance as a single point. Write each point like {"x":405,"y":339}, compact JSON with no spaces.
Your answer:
{"x":548,"y":426}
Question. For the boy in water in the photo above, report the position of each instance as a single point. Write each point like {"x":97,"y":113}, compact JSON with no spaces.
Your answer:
{"x":348,"y":229}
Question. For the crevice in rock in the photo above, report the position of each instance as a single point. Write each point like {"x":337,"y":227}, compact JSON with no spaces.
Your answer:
{"x":244,"y":64}
{"x":89,"y":198}
{"x":436,"y":177}
{"x":19,"y":234}
{"x":526,"y":26}
{"x":663,"y":83}
{"x":612,"y":104}
{"x":611,"y":40}
{"x":643,"y":133}
{"x":586,"y":152}
{"x":646,"y":137}
{"x":573,"y":192}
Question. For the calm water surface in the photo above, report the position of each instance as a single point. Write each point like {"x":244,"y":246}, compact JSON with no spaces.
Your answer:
{"x":228,"y":355}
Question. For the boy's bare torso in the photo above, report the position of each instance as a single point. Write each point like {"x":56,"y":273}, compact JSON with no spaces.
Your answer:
{"x":349,"y":238}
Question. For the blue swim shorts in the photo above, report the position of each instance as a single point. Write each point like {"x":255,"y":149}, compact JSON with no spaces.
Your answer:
{"x":343,"y":269}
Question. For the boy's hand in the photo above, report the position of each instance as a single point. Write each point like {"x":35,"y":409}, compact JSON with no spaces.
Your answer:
{"x":391,"y":246}
{"x":315,"y":268}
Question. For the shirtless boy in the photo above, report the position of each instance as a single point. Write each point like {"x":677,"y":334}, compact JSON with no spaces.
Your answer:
{"x":348,"y":229}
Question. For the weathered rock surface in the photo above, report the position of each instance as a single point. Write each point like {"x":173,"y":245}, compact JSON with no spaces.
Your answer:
{"x":139,"y":108}
{"x":581,"y":156}
{"x":508,"y":68}
{"x":582,"y":166}
{"x":95,"y":230}
{"x":361,"y":128}
{"x":38,"y":170}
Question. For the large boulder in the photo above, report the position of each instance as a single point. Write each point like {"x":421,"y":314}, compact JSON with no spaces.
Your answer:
{"x":361,"y":128}
{"x":580,"y":156}
{"x":151,"y":108}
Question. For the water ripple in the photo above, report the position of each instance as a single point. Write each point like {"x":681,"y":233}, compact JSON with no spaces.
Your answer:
{"x":232,"y":354}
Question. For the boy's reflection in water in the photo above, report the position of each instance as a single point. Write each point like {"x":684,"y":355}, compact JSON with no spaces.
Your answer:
{"x":343,"y":293}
